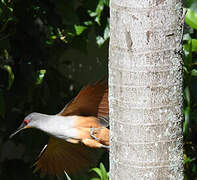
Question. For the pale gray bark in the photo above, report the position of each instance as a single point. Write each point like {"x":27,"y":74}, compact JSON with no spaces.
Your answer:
{"x":145,"y":90}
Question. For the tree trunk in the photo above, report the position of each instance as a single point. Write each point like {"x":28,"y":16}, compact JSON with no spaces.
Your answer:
{"x":145,"y":90}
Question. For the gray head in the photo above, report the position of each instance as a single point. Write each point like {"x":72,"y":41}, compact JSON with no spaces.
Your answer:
{"x":30,"y":121}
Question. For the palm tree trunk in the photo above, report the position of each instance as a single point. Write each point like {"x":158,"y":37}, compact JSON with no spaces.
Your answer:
{"x":145,"y":90}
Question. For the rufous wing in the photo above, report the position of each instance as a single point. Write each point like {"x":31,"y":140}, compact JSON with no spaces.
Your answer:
{"x":60,"y":156}
{"x":90,"y":101}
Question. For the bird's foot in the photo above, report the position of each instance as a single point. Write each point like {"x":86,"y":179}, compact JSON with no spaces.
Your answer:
{"x":104,"y":146}
{"x":92,"y":133}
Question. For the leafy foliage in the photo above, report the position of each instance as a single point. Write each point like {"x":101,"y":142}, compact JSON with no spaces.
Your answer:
{"x":101,"y":172}
{"x":190,"y":105}
{"x":45,"y":47}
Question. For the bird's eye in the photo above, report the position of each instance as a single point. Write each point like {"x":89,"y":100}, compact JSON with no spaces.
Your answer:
{"x":26,"y":121}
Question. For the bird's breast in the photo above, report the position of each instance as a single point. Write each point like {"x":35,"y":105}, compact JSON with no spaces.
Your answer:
{"x":70,"y":127}
{"x":60,"y":126}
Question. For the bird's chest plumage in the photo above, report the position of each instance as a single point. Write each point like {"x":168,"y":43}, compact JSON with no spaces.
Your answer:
{"x":70,"y":127}
{"x":62,"y":127}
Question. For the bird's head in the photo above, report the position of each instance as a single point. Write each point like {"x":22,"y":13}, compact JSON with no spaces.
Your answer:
{"x":28,"y":122}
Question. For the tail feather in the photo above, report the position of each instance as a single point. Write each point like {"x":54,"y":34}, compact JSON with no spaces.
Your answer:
{"x":60,"y":156}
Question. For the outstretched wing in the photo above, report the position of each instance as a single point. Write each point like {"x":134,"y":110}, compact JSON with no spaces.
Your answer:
{"x":60,"y":156}
{"x":90,"y":101}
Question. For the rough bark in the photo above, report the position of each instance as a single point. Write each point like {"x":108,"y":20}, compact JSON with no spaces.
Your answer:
{"x":145,"y":90}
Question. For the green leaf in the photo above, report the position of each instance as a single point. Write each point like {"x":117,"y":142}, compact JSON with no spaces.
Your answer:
{"x":187,"y":95}
{"x":103,"y":171}
{"x":191,"y":18}
{"x":191,"y":45}
{"x":98,"y":171}
{"x":100,"y":41}
{"x":192,"y":4}
{"x":92,"y":13}
{"x":194,"y":72}
{"x":187,"y":56}
{"x":106,"y":2}
{"x":185,"y":70}
{"x":67,"y":176}
{"x":41,"y":74}
{"x":194,"y":45}
{"x":99,"y":9}
{"x":188,"y":160}
{"x":53,"y":37}
{"x":94,"y":179}
{"x":10,"y":76}
{"x":88,"y":23}
{"x":79,"y":29}
{"x":186,"y":122}
{"x":186,"y":37}
{"x":48,"y":42}
{"x":186,"y":110}
{"x":106,"y":32}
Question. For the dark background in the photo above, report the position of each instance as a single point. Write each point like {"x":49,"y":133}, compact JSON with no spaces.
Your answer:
{"x":49,"y":50}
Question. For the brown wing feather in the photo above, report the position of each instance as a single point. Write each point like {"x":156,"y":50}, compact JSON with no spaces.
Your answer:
{"x":60,"y":156}
{"x":90,"y":101}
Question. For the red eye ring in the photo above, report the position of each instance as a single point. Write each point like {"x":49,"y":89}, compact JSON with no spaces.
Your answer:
{"x":26,"y":121}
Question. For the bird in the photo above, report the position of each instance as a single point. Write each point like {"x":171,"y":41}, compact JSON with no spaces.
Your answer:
{"x":74,"y":132}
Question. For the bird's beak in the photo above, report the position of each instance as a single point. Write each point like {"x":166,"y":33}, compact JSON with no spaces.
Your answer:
{"x":20,"y":128}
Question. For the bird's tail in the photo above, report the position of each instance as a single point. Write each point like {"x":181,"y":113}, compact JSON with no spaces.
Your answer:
{"x":60,"y":156}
